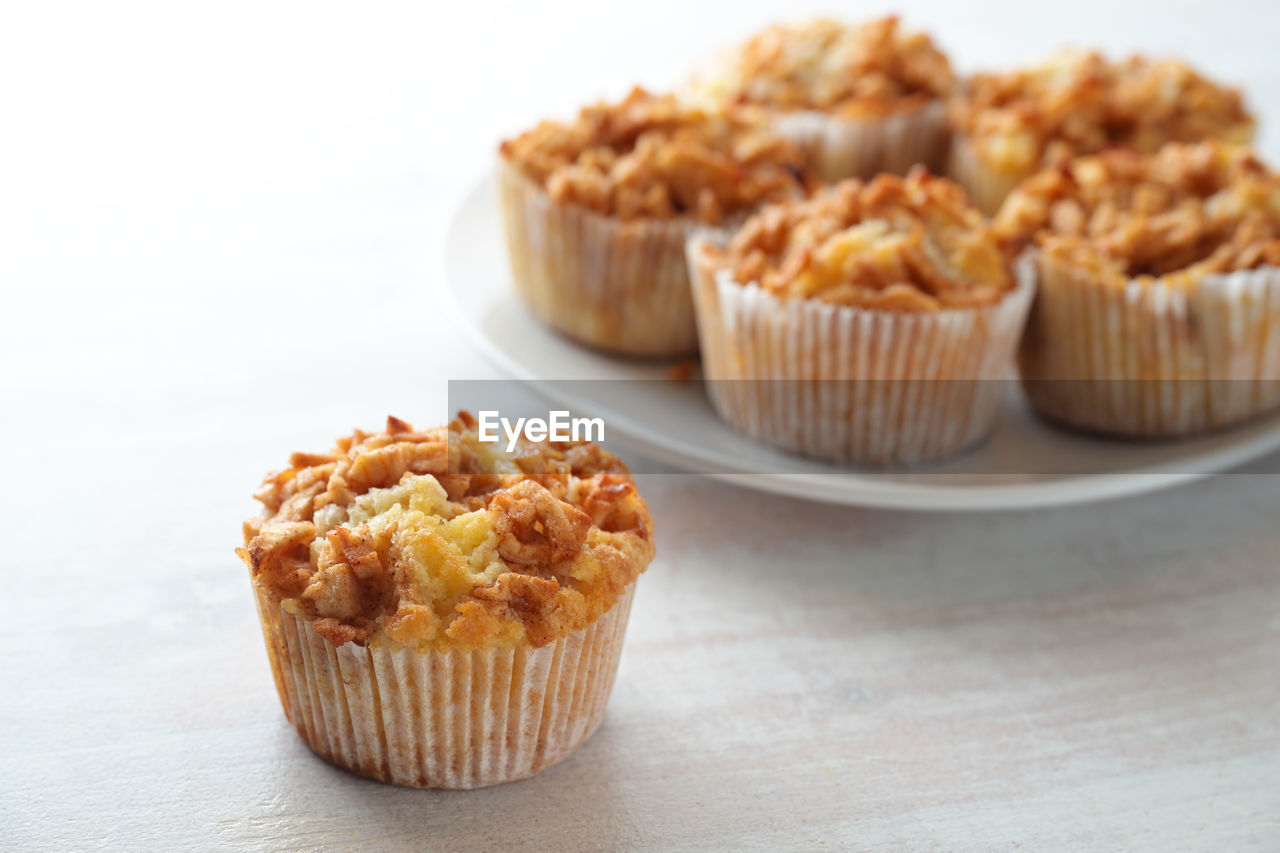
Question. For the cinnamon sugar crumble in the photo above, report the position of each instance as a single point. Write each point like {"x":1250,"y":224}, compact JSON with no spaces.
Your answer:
{"x":649,"y":156}
{"x":1185,"y":212}
{"x":432,"y":538}
{"x":874,"y":69}
{"x":893,"y":244}
{"x":1080,"y":103}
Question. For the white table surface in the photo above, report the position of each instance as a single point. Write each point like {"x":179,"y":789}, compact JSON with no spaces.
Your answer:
{"x":219,"y":238}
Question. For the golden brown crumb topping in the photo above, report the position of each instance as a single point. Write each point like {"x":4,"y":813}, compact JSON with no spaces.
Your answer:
{"x":1188,"y":210}
{"x":874,"y":69}
{"x":651,"y":157}
{"x":435,"y":539}
{"x":893,"y":244}
{"x":1079,"y":103}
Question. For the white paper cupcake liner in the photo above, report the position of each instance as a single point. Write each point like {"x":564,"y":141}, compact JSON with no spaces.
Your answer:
{"x":443,"y":719}
{"x":620,"y":286}
{"x":987,"y":187}
{"x":1147,"y":359}
{"x":849,"y":384}
{"x":837,"y":147}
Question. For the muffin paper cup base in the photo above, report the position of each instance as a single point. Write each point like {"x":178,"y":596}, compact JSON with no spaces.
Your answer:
{"x":837,"y":147}
{"x":1147,"y":359}
{"x":849,"y":384}
{"x":617,"y":285}
{"x":444,"y":719}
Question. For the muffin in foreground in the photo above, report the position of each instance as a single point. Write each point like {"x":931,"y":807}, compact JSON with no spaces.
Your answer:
{"x":442,"y":614}
{"x":597,"y":212}
{"x":1158,"y":280}
{"x":857,"y":100}
{"x":1010,"y":125}
{"x":870,"y":324}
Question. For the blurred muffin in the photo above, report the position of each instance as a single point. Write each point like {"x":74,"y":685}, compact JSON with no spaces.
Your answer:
{"x":442,"y":614}
{"x":864,"y":325}
{"x":1009,"y":125}
{"x":1158,"y":311}
{"x":597,"y":212}
{"x":858,"y":100}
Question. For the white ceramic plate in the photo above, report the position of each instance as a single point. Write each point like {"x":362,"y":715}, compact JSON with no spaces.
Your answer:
{"x":673,"y":422}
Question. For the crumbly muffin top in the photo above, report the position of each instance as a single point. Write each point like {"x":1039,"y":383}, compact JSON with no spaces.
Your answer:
{"x":433,"y":539}
{"x":894,"y":244}
{"x":650,"y":156}
{"x":874,"y":69}
{"x":1184,"y":212}
{"x":1079,"y":103}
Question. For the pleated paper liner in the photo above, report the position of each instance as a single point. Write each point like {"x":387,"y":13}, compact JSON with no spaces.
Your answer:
{"x":849,"y":384}
{"x":1150,"y":359}
{"x":838,"y":147}
{"x":616,"y":285}
{"x":986,"y":185}
{"x":444,"y":719}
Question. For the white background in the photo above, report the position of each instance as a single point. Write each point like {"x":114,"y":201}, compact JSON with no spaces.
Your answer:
{"x":219,"y":242}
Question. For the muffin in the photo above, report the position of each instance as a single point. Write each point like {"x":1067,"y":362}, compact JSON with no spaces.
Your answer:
{"x":870,"y":324}
{"x":1158,"y":312}
{"x":441,"y":613}
{"x":1010,"y":125}
{"x":858,"y":100}
{"x":597,"y":212}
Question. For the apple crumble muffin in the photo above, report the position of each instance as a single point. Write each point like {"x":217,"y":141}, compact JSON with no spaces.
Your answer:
{"x":892,"y":244}
{"x":859,"y":100}
{"x":399,"y":557}
{"x":874,"y":69}
{"x":651,"y":157}
{"x":1186,"y":212}
{"x":869,"y":324}
{"x":1008,"y":125}
{"x":597,"y":211}
{"x":1159,"y":289}
{"x":432,"y":538}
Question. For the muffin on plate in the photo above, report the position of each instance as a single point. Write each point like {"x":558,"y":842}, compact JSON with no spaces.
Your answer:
{"x":440,"y":613}
{"x":597,"y":212}
{"x":870,"y":324}
{"x":1158,"y":277}
{"x":859,"y":100}
{"x":1010,"y":125}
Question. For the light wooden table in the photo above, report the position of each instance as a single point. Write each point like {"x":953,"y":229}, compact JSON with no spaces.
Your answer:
{"x":193,"y":292}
